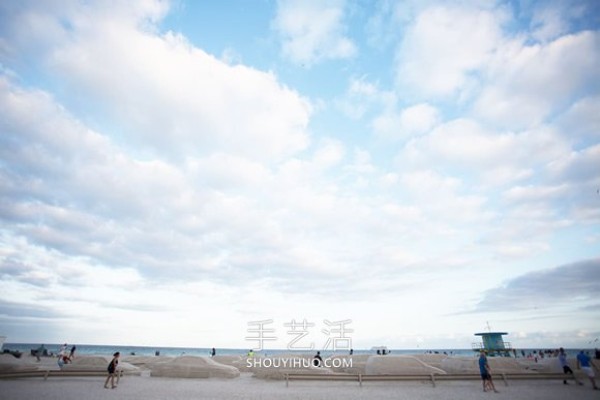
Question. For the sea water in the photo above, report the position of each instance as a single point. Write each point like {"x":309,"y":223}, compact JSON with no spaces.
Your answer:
{"x":88,"y":349}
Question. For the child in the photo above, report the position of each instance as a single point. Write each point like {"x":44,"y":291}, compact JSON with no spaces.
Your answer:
{"x":112,"y":369}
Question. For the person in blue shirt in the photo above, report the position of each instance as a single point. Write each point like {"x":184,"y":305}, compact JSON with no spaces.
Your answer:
{"x":584,"y":362}
{"x":486,"y":376}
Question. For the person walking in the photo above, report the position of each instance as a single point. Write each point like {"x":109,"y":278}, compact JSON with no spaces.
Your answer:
{"x":584,"y":362}
{"x":485,"y":371}
{"x":112,"y":370}
{"x":72,"y":354}
{"x":318,"y":360}
{"x":562,"y":359}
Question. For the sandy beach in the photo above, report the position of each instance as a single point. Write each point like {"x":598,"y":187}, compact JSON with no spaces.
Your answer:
{"x":247,"y":387}
{"x":151,"y":378}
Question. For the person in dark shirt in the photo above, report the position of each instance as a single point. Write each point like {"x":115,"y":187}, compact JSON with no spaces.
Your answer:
{"x":317,"y":360}
{"x":112,"y":370}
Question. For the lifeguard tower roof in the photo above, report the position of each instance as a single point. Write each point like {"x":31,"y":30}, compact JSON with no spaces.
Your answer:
{"x":491,"y":333}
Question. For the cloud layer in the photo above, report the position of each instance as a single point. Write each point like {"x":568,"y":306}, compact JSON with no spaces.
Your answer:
{"x":454,"y":169}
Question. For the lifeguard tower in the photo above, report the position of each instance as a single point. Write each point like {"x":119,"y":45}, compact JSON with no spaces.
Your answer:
{"x":493,"y":343}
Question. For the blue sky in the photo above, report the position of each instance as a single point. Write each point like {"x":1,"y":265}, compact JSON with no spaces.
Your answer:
{"x":171,"y":171}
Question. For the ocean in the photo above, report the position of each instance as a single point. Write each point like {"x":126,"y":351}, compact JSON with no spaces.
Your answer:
{"x":198,"y":351}
{"x":201,"y":351}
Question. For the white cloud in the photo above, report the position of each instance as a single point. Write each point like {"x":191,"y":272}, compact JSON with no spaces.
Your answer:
{"x":534,"y":193}
{"x":227,"y":172}
{"x":329,"y":153}
{"x":548,"y":23}
{"x":577,"y":166}
{"x":582,"y":120}
{"x":553,"y":19}
{"x":167,"y":95}
{"x":465,"y":144}
{"x":218,"y":216}
{"x":443,"y":199}
{"x":312,"y":31}
{"x":159,"y":180}
{"x":444,"y":46}
{"x":183,"y":99}
{"x":361,"y":97}
{"x":579,"y":171}
{"x":411,"y":121}
{"x":527,"y":83}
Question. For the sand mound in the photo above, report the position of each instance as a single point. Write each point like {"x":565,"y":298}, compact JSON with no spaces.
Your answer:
{"x":498,"y":365}
{"x":353,"y":364}
{"x":509,"y":365}
{"x":193,"y":367}
{"x":99,"y":363}
{"x":8,"y":363}
{"x":399,"y":365}
{"x":245,"y":364}
{"x":228,"y":360}
{"x":544,"y":365}
{"x":434,"y":360}
{"x":278,"y":366}
{"x":241,"y":364}
{"x":145,"y":361}
{"x":460,"y":365}
{"x":280,"y":372}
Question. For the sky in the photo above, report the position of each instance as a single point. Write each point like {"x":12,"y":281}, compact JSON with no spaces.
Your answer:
{"x":172,"y":172}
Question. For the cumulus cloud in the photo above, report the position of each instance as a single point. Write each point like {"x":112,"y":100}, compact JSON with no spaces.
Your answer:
{"x":80,"y":194}
{"x":534,"y":174}
{"x":362,"y":97}
{"x":527,"y":83}
{"x":411,"y":121}
{"x":582,"y":120}
{"x":166,"y":94}
{"x":580,"y":165}
{"x":312,"y":31}
{"x":137,"y":167}
{"x":578,"y":170}
{"x":552,"y":19}
{"x":468,"y":144}
{"x":443,"y":46}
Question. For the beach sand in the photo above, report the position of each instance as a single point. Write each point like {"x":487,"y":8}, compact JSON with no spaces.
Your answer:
{"x":247,"y":387}
{"x":177,"y":378}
